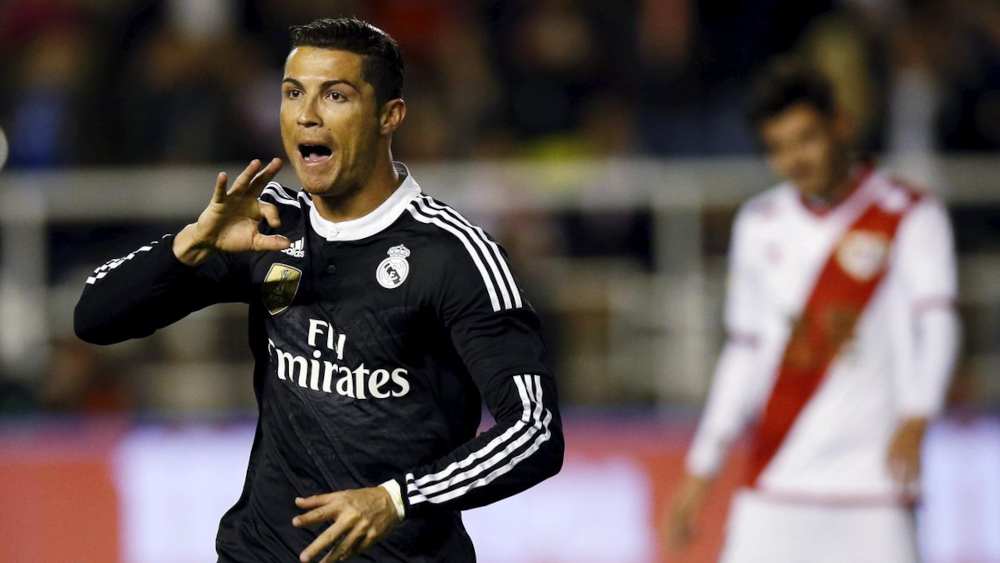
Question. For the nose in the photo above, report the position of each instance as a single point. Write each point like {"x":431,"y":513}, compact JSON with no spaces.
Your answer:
{"x":308,"y":117}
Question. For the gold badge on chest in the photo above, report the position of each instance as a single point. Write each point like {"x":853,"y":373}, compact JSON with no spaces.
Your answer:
{"x":280,"y":286}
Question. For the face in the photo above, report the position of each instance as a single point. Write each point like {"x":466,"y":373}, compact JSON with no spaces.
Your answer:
{"x":808,"y":148}
{"x":331,"y":126}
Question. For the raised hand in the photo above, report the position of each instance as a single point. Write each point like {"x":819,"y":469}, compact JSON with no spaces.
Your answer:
{"x":229,"y":223}
{"x":360,"y":517}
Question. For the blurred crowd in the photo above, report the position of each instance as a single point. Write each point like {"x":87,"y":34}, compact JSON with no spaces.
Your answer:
{"x":180,"y":82}
{"x":91,"y":82}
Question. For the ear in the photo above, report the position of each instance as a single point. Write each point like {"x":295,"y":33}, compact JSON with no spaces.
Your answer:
{"x":392,"y":115}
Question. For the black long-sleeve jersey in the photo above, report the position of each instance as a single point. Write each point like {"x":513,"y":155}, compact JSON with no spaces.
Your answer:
{"x":374,"y":341}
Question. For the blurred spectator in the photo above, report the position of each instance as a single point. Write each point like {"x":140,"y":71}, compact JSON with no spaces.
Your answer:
{"x":190,"y":85}
{"x":185,"y":81}
{"x":150,"y":82}
{"x":970,"y":117}
{"x":692,"y":97}
{"x":51,"y":48}
{"x":840,"y":44}
{"x":554,"y":56}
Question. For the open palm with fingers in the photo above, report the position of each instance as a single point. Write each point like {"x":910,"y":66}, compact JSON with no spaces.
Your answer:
{"x":361,"y":517}
{"x":230,"y":222}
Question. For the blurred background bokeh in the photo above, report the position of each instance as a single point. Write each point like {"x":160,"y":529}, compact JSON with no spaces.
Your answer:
{"x":602,"y":142}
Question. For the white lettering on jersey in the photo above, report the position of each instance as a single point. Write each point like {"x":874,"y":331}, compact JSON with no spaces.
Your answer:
{"x":333,"y":341}
{"x":318,"y":375}
{"x":297,"y":249}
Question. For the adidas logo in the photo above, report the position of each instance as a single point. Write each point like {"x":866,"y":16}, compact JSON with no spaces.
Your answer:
{"x":297,"y":250}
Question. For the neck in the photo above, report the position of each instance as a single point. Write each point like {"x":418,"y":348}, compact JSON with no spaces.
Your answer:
{"x":364,"y":198}
{"x":842,"y":182}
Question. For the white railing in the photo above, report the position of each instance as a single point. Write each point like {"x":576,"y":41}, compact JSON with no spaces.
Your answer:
{"x":629,"y":332}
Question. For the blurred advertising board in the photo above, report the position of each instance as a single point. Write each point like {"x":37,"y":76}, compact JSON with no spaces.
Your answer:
{"x":107,"y":490}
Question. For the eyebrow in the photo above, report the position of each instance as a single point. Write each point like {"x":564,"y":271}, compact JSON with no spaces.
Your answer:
{"x":324,"y":85}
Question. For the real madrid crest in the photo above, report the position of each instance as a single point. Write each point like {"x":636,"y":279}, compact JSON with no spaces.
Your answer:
{"x":392,"y":272}
{"x":280,"y":286}
{"x":863,"y":254}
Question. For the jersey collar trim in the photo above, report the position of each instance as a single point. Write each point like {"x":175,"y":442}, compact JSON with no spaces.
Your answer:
{"x":861,"y":173}
{"x":373,"y":223}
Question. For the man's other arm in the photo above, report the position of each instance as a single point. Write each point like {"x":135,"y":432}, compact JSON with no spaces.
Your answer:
{"x":497,"y":335}
{"x":925,"y":257}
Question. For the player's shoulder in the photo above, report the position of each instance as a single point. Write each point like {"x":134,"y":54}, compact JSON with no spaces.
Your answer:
{"x":899,"y":194}
{"x":895,"y":188}
{"x":763,"y":208}
{"x":447,"y":229}
{"x":466,"y":256}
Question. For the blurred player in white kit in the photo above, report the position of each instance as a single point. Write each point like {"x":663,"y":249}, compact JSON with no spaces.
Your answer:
{"x":842,"y":336}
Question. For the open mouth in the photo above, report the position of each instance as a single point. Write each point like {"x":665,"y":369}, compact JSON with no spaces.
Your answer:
{"x":314,"y":153}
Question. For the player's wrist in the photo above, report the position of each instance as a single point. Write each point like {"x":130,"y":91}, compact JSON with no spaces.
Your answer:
{"x":191,"y":248}
{"x":396,"y":495}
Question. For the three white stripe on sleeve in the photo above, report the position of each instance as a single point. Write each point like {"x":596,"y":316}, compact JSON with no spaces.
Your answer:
{"x":496,"y":458}
{"x":503,"y":291}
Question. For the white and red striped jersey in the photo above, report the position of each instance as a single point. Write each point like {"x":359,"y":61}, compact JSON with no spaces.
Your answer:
{"x":893,"y":361}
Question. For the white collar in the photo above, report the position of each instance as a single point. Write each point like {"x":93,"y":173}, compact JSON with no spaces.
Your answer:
{"x":374,"y":222}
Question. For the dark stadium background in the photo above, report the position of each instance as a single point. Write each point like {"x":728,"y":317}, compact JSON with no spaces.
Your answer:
{"x":602,"y":142}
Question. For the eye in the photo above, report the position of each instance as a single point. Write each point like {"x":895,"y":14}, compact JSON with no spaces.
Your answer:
{"x":293,"y":93}
{"x":336,"y":96}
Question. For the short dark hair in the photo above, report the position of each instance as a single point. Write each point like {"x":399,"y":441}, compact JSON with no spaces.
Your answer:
{"x":383,"y":62}
{"x":785,"y":83}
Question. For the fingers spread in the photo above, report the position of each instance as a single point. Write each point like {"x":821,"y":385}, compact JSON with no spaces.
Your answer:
{"x":267,"y":174}
{"x":219,"y":195}
{"x":243,"y":180}
{"x":326,"y":539}
{"x":260,"y":181}
{"x":313,"y":501}
{"x":346,"y":547}
{"x":321,"y":514}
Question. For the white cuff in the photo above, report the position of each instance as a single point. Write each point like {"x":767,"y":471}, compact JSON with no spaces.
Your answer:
{"x":392,"y":487}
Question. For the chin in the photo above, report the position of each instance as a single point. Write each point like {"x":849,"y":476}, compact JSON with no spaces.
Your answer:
{"x":317,"y":184}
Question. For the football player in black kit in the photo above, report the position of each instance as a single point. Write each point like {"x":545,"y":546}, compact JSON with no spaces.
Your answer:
{"x":379,"y":319}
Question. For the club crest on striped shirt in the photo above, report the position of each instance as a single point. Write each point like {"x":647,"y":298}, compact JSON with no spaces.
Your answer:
{"x":863,"y":254}
{"x":280,"y":286}
{"x":392,"y":272}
